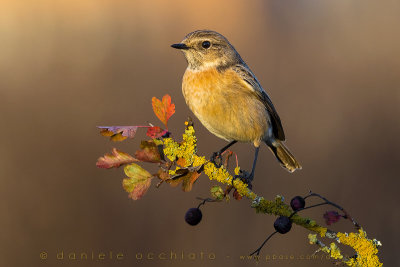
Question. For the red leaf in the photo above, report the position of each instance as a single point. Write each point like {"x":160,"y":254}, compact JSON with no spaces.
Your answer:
{"x":331,"y":217}
{"x":140,"y":189}
{"x":116,"y":159}
{"x":163,"y":109}
{"x":236,"y":195}
{"x":155,"y":132}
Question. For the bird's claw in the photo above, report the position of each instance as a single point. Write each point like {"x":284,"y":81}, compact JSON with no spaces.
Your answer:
{"x":216,"y":159}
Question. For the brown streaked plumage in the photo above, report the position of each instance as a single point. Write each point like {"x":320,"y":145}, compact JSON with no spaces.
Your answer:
{"x":227,"y":98}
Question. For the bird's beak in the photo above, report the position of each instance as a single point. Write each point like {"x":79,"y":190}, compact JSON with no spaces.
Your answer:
{"x":180,"y":46}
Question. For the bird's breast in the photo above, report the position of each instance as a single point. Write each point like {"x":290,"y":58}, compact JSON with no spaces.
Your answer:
{"x":225,"y":105}
{"x":200,"y":89}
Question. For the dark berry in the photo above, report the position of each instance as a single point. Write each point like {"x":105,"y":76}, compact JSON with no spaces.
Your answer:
{"x":283,"y":224}
{"x":193,"y":216}
{"x":297,"y":203}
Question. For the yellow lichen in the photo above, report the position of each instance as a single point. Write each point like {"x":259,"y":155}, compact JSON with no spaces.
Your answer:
{"x":185,"y":150}
{"x":335,"y":251}
{"x":237,"y":170}
{"x":316,"y":228}
{"x":170,"y":148}
{"x":312,"y":238}
{"x":366,"y":249}
{"x":322,"y":231}
{"x":173,"y":172}
{"x":198,"y":161}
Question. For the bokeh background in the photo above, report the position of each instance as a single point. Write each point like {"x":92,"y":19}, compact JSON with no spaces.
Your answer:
{"x":331,"y":68}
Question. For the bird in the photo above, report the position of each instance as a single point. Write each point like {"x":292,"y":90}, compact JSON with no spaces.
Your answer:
{"x":226,"y":97}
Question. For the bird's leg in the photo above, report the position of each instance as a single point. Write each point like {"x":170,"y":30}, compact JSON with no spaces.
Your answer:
{"x":251,"y":177}
{"x":216,"y":155}
{"x":245,"y":176}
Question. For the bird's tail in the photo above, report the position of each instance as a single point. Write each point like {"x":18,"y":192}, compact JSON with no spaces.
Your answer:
{"x":283,"y":155}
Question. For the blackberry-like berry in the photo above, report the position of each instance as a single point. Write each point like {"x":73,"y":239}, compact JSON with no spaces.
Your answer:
{"x":297,"y":203}
{"x":193,"y":216}
{"x":283,"y":224}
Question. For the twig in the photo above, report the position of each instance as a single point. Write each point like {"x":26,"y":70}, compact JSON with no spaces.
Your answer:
{"x":206,"y":200}
{"x":262,"y":245}
{"x":346,"y":214}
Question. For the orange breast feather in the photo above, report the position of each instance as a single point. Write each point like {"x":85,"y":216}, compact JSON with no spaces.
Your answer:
{"x":225,"y":105}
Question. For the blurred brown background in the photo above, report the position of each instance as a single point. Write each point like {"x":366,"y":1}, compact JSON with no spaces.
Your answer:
{"x":331,"y":68}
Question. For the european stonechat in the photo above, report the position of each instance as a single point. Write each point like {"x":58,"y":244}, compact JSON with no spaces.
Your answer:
{"x":227,"y":98}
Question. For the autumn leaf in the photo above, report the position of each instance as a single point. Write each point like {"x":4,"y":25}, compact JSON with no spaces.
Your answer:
{"x":331,"y":217}
{"x":119,"y":133}
{"x":176,"y":180}
{"x":163,"y":175}
{"x":149,"y":152}
{"x":140,"y":189}
{"x":118,"y":137}
{"x":128,"y":131}
{"x":135,"y":171}
{"x":155,"y":132}
{"x":105,"y":132}
{"x":138,"y":181}
{"x":236,"y":195}
{"x":181,"y":162}
{"x":116,"y":159}
{"x":163,"y":109}
{"x":186,"y":177}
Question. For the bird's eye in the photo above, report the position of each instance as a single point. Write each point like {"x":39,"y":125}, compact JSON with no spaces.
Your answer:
{"x":206,"y":44}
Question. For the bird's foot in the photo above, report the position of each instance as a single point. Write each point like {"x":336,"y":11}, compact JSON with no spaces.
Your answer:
{"x":245,"y":177}
{"x":216,"y":159}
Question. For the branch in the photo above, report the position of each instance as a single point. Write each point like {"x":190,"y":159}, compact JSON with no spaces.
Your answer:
{"x":365,"y":248}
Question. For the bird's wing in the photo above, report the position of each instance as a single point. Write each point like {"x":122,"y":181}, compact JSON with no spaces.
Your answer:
{"x":248,"y":76}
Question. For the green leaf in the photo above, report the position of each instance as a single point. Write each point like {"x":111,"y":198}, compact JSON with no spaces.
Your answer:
{"x":135,"y":171}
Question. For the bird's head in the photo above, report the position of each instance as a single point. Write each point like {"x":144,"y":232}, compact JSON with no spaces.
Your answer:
{"x":204,"y":49}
